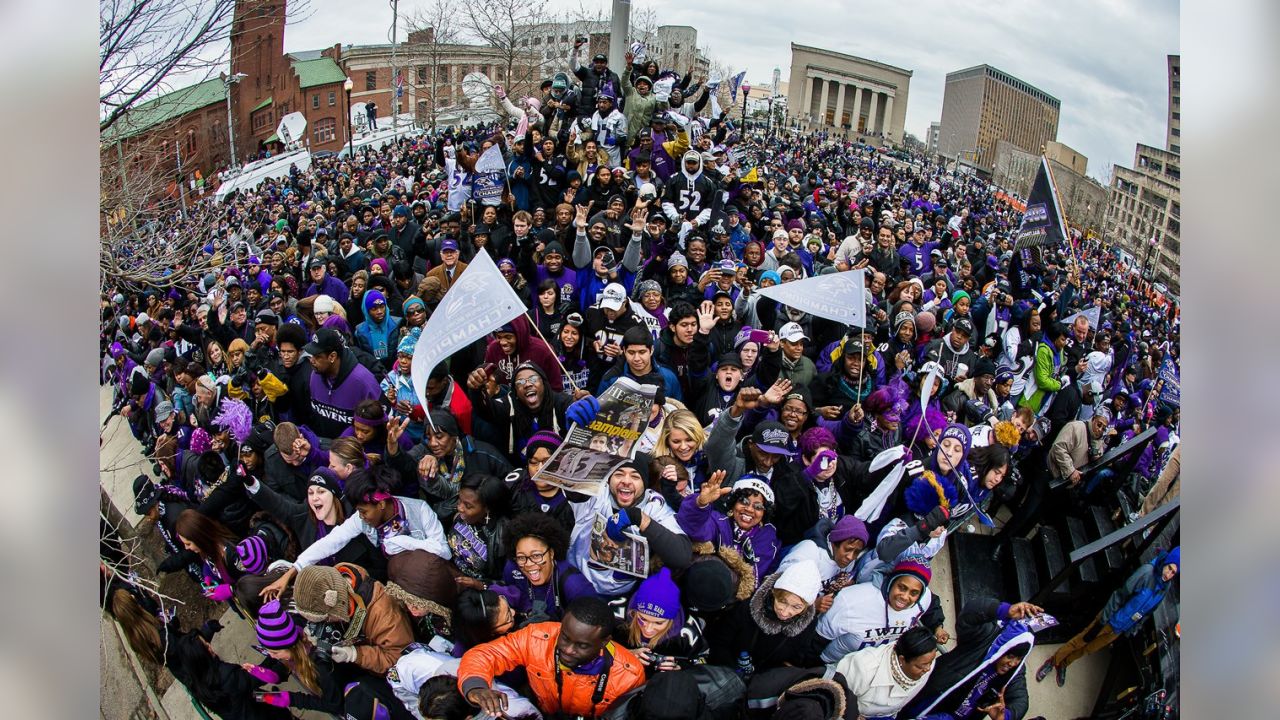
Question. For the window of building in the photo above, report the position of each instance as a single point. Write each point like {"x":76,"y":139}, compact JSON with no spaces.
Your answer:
{"x":333,"y":98}
{"x":551,"y":39}
{"x":1177,"y":115}
{"x":191,"y":143}
{"x":524,"y":42}
{"x":315,"y":101}
{"x":326,"y":130}
{"x":484,"y":70}
{"x":422,"y":73}
{"x":371,"y":80}
{"x":537,"y":40}
{"x":261,"y":119}
{"x":1176,"y":148}
{"x":564,"y":38}
{"x":1176,"y":132}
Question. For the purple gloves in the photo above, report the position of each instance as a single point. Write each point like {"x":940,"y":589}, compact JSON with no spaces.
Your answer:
{"x":218,"y":593}
{"x":823,"y":460}
{"x":266,"y":675}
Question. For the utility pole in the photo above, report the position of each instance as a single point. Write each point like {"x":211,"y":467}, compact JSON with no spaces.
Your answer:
{"x":619,"y":27}
{"x":182,"y":183}
{"x":227,"y":82}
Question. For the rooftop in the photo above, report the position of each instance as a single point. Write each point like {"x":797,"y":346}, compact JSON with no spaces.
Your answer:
{"x":320,"y":71}
{"x":855,"y":58}
{"x":164,"y":108}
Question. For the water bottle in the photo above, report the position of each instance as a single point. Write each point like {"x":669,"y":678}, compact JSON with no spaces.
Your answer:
{"x":745,"y":668}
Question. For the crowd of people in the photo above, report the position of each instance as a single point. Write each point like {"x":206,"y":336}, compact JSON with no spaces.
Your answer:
{"x":399,"y":556}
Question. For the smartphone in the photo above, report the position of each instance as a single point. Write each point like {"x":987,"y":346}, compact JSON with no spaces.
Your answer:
{"x":260,"y":649}
{"x":260,"y":695}
{"x":760,"y":337}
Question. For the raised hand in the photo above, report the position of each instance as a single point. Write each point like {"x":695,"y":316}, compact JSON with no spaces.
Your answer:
{"x":747,"y":399}
{"x":706,"y":317}
{"x":580,"y":219}
{"x":776,"y":392}
{"x":395,"y":430}
{"x":711,"y":490}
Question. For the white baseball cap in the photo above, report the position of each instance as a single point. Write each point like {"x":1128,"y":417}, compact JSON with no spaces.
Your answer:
{"x":613,"y":297}
{"x":792,"y":332}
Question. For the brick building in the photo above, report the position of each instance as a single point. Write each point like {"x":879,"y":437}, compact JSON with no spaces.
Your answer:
{"x":982,"y":105}
{"x":432,"y":73}
{"x":275,"y":84}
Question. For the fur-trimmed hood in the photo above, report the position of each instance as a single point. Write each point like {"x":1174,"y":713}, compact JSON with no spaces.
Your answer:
{"x":745,"y":571}
{"x":762,"y":612}
{"x":829,"y":694}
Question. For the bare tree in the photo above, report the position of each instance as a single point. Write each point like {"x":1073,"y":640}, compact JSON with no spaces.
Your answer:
{"x":145,"y":44}
{"x":504,"y":25}
{"x":440,"y":18}
{"x":150,"y":237}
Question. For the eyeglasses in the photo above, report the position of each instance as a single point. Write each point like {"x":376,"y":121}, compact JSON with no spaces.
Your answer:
{"x":795,"y":411}
{"x":525,"y":381}
{"x":416,"y":311}
{"x":758,"y":507}
{"x":532,"y":558}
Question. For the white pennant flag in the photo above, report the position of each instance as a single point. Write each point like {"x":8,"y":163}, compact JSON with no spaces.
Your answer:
{"x":839,"y":296}
{"x":1093,"y":315}
{"x":479,"y":302}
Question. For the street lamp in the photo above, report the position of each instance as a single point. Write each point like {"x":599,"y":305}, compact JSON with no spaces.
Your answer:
{"x":746,"y":90}
{"x":351,"y":146}
{"x":227,"y":82}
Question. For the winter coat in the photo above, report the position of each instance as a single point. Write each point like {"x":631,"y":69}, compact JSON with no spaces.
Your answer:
{"x":529,"y":348}
{"x":301,"y":521}
{"x":753,"y":628}
{"x":534,"y":649}
{"x":980,"y":629}
{"x":513,"y":422}
{"x":423,"y":532}
{"x":861,"y":617}
{"x":1140,"y":595}
{"x":333,"y":402}
{"x":796,"y":502}
{"x":758,"y":547}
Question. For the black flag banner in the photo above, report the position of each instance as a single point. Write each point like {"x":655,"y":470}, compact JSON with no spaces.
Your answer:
{"x":1042,"y":222}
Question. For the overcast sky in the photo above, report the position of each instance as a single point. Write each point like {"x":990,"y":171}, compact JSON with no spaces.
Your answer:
{"x":1104,"y":59}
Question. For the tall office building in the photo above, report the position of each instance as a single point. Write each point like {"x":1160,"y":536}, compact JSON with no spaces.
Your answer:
{"x":983,"y":105}
{"x":1173,"y":143}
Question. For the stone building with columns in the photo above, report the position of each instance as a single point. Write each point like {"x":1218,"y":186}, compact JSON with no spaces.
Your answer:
{"x":850,"y":95}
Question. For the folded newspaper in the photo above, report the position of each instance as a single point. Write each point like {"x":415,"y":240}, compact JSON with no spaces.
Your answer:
{"x":590,"y":454}
{"x":631,"y":556}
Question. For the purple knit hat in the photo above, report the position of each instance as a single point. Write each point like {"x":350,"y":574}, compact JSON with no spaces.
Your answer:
{"x":252,"y":554}
{"x":542,"y":438}
{"x":658,"y":596}
{"x":847,"y":528}
{"x":276,"y":629}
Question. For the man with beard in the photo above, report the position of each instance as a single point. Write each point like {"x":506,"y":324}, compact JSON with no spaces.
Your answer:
{"x":515,"y":413}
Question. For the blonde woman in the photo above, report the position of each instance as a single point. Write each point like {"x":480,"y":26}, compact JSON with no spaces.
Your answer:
{"x":289,"y":652}
{"x":346,"y":455}
{"x":682,"y":437}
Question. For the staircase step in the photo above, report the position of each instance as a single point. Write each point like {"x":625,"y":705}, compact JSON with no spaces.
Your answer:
{"x":1050,"y":560}
{"x":1097,"y":524}
{"x":1020,"y":569}
{"x":975,"y":575}
{"x":1076,"y":537}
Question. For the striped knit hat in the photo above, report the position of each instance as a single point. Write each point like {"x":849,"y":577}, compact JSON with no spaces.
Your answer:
{"x":276,"y":629}
{"x":252,"y":554}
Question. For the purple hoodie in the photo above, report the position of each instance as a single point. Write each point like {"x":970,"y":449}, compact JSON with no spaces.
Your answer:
{"x":758,"y":546}
{"x":333,"y":402}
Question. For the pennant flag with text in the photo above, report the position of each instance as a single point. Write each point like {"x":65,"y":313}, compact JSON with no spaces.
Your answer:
{"x":1042,"y":224}
{"x":479,"y":302}
{"x":490,"y":178}
{"x":840,"y":296}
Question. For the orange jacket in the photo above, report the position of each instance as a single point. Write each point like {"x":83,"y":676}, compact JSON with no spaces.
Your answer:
{"x":534,"y":648}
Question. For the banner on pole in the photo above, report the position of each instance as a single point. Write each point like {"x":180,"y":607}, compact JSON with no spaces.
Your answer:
{"x":490,"y":178}
{"x":839,"y":296}
{"x":1093,"y":315}
{"x":734,"y":83}
{"x":1042,"y":222}
{"x":478,"y":303}
{"x":1171,"y":385}
{"x":459,"y":182}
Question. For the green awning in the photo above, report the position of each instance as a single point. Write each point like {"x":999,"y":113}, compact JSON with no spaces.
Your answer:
{"x":261,"y":105}
{"x":274,"y":138}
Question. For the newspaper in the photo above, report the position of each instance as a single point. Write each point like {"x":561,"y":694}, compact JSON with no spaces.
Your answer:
{"x":590,"y":454}
{"x":631,"y":556}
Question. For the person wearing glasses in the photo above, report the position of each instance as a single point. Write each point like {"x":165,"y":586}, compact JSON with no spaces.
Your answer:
{"x":537,"y":582}
{"x":515,"y":412}
{"x":741,"y":533}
